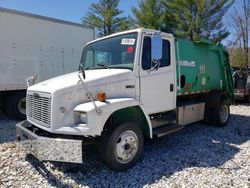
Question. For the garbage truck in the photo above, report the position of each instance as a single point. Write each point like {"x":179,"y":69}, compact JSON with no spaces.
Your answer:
{"x":131,"y":86}
{"x":34,"y":48}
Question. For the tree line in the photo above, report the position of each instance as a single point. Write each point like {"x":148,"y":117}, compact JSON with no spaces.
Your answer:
{"x":188,"y":19}
{"x":239,"y":22}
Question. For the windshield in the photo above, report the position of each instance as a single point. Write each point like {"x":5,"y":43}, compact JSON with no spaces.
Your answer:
{"x":115,"y":52}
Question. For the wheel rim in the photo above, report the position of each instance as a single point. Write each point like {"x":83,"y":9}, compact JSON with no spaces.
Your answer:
{"x":127,"y":146}
{"x":21,"y":105}
{"x":224,"y":113}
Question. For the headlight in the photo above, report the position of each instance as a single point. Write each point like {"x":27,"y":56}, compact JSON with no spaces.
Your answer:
{"x":83,"y":117}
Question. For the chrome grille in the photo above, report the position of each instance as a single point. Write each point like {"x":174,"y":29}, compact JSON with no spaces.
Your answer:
{"x":39,"y":108}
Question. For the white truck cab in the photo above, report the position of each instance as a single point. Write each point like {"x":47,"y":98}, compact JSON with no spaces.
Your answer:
{"x":125,"y":91}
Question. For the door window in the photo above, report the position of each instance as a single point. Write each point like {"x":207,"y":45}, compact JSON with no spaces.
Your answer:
{"x":146,"y":53}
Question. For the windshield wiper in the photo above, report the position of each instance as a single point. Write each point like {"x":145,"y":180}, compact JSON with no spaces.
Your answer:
{"x":105,"y":66}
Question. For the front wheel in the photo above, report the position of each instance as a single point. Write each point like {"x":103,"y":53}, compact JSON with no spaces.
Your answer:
{"x":121,"y":147}
{"x":221,"y":114}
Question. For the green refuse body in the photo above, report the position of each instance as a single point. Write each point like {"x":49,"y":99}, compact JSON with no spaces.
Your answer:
{"x":202,"y":67}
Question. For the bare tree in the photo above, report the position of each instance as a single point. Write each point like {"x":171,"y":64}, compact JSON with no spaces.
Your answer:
{"x":240,"y":24}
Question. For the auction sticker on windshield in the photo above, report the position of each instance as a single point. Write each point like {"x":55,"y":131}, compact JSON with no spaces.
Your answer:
{"x":128,"y":41}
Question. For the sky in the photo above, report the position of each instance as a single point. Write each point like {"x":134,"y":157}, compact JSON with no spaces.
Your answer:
{"x":73,"y":10}
{"x":68,"y":10}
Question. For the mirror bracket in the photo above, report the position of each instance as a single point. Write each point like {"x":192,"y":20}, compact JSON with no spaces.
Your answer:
{"x":155,"y":67}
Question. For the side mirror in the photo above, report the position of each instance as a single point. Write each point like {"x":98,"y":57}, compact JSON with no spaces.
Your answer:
{"x":156,"y":48}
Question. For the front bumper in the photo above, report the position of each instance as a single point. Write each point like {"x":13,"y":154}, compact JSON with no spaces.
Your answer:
{"x":46,"y":148}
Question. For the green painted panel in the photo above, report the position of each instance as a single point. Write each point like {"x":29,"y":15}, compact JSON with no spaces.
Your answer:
{"x":202,"y":66}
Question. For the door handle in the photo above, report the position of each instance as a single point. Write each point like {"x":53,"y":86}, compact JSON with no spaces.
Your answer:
{"x":171,"y":87}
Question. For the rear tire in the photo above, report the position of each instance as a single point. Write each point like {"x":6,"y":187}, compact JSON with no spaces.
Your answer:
{"x":2,"y":105}
{"x":221,"y":114}
{"x":208,"y":115}
{"x":121,"y":147}
{"x":15,"y":105}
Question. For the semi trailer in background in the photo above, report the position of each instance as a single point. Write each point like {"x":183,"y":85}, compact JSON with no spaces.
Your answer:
{"x":34,"y":48}
{"x":130,"y":86}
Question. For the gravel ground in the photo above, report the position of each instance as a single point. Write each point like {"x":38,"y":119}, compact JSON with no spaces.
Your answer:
{"x":197,"y":156}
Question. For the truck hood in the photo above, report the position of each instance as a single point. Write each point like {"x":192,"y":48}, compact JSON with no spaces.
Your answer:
{"x":93,"y":78}
{"x":66,"y":92}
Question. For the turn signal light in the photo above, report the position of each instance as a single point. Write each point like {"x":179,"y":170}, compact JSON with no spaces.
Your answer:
{"x":101,"y":96}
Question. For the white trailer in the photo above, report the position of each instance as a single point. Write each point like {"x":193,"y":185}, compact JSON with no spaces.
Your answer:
{"x":35,"y":47}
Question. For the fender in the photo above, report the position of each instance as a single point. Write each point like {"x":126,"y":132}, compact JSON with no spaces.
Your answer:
{"x":109,"y":107}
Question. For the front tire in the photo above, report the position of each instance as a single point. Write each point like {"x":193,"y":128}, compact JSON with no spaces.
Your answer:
{"x":121,"y":147}
{"x":221,"y":114}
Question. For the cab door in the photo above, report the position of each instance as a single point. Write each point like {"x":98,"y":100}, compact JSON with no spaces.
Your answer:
{"x":157,"y":86}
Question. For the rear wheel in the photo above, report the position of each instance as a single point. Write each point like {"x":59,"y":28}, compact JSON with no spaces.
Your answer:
{"x":15,"y":105}
{"x":2,"y":105}
{"x":121,"y":147}
{"x":207,"y":115}
{"x":221,"y":114}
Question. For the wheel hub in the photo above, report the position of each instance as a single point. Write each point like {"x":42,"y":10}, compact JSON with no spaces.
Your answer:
{"x":224,"y":113}
{"x":126,"y":147}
